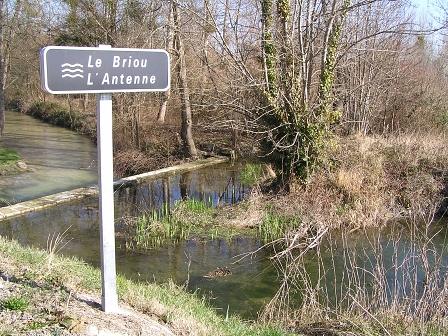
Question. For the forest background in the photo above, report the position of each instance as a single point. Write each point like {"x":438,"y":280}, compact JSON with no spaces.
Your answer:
{"x":283,"y":76}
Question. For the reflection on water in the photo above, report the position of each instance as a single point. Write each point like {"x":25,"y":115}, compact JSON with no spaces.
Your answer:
{"x":62,"y":160}
{"x":216,"y":185}
{"x":253,"y":281}
{"x":251,"y":284}
{"x":59,"y":159}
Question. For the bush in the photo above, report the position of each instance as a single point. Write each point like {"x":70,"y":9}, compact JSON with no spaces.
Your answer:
{"x":56,"y":114}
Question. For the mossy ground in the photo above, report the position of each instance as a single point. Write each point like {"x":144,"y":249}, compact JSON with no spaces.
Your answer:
{"x":10,"y":162}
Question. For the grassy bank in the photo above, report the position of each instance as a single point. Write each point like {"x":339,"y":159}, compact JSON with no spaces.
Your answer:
{"x":64,"y":115}
{"x":10,"y":162}
{"x":51,"y":288}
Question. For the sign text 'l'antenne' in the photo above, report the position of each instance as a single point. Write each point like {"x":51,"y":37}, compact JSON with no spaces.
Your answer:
{"x":100,"y":70}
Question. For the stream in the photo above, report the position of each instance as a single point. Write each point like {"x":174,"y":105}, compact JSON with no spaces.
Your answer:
{"x":251,"y":284}
{"x":62,"y":160}
{"x":253,"y":280}
{"x":59,"y":159}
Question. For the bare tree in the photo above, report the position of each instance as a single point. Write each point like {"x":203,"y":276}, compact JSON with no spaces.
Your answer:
{"x":187,"y":123}
{"x":169,"y":45}
{"x":2,"y":75}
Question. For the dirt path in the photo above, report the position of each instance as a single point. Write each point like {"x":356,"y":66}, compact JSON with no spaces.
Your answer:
{"x":50,"y":310}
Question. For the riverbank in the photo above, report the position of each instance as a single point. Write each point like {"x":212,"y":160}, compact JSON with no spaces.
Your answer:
{"x":378,"y":189}
{"x":373,"y":181}
{"x":40,"y":203}
{"x":10,"y":162}
{"x":373,"y":184}
{"x":147,"y":145}
{"x":369,"y":181}
{"x":42,"y":293}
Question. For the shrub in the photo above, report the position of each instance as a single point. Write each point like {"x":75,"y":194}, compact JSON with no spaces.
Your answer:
{"x":56,"y":114}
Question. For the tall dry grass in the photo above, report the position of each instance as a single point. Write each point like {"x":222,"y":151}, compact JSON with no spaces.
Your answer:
{"x":377,"y":282}
{"x":372,"y":180}
{"x":365,"y":258}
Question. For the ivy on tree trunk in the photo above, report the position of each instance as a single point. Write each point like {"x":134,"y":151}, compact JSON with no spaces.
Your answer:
{"x":297,"y":135}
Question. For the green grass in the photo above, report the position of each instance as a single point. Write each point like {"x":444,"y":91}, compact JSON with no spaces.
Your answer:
{"x":8,"y":162}
{"x":276,"y":226}
{"x":8,"y":156}
{"x":15,"y":303}
{"x":251,"y":174}
{"x":169,"y":302}
{"x":191,"y":218}
{"x":187,"y":218}
{"x":197,"y":206}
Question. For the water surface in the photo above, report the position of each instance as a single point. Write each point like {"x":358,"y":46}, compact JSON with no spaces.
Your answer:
{"x":245,"y":291}
{"x":62,"y":160}
{"x":59,"y":159}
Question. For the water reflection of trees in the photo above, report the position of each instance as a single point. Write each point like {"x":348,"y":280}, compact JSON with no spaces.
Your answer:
{"x":218,"y":186}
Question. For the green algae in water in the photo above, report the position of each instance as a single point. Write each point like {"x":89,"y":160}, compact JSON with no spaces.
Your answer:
{"x":8,"y":156}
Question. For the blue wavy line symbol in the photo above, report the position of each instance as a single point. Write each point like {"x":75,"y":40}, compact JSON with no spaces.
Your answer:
{"x":72,"y":70}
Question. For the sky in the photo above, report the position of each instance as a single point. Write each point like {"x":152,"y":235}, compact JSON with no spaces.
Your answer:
{"x":425,"y":8}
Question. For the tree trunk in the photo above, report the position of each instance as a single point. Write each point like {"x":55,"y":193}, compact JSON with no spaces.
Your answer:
{"x":85,"y":102}
{"x":169,"y":45}
{"x":186,"y":131}
{"x":162,"y":110}
{"x":5,"y":53}
{"x":224,"y":24}
{"x":2,"y":75}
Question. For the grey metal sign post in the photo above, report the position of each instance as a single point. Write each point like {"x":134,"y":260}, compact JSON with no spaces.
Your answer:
{"x":104,"y":70}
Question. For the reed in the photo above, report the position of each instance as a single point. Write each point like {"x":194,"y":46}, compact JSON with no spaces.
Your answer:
{"x":196,"y":206}
{"x":55,"y":243}
{"x":251,"y":174}
{"x":158,"y":227}
{"x":275,"y":226}
{"x":355,"y":288}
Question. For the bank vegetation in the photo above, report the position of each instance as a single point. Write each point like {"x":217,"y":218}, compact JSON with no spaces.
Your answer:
{"x":47,"y":294}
